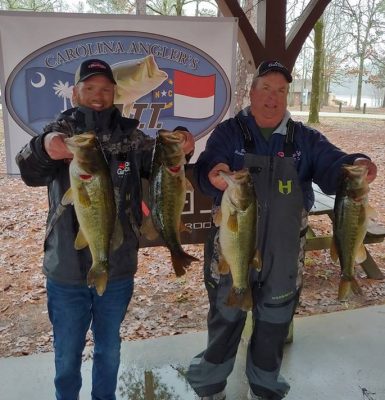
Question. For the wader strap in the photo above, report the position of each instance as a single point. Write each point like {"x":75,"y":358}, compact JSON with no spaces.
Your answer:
{"x":249,"y":144}
{"x":288,"y":148}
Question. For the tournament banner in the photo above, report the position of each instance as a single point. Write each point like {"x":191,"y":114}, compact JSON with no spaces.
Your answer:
{"x":170,"y":71}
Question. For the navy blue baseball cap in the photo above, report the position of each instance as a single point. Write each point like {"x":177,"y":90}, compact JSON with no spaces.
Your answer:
{"x":93,"y":67}
{"x":272,"y":66}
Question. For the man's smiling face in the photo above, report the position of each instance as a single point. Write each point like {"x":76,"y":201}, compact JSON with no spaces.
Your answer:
{"x":268,"y":99}
{"x":96,"y":92}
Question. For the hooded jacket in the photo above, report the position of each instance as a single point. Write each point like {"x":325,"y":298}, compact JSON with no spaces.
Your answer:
{"x":316,"y":158}
{"x":128,"y":152}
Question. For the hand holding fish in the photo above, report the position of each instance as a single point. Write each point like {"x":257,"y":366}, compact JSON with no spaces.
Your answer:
{"x":215,"y":177}
{"x":92,"y":194}
{"x":56,"y":147}
{"x":237,"y":222}
{"x":372,"y":168}
{"x":351,"y":217}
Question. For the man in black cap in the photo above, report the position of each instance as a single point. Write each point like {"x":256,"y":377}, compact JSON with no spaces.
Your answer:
{"x":272,"y":66}
{"x":93,"y":67}
{"x":73,"y":306}
{"x":283,"y":158}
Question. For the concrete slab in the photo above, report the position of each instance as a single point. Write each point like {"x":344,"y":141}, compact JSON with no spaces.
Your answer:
{"x":337,"y":356}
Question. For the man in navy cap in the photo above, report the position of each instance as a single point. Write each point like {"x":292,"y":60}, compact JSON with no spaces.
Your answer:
{"x":74,"y":307}
{"x":283,"y":157}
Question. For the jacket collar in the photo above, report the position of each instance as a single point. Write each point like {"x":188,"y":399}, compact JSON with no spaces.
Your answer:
{"x":281,"y":128}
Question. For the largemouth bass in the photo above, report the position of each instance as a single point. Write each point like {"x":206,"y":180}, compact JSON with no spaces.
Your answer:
{"x":237,"y":221}
{"x":351,"y":216}
{"x":134,"y":79}
{"x":167,"y":195}
{"x":91,"y":193}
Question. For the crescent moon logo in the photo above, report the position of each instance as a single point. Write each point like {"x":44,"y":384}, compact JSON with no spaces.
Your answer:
{"x":40,"y":83}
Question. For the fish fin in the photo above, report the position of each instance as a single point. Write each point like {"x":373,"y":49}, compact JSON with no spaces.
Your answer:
{"x":180,"y":261}
{"x":223,"y":266}
{"x":98,"y":276}
{"x":80,"y":241}
{"x":84,"y":198}
{"x":189,"y":185}
{"x":242,"y":300}
{"x":117,"y":236}
{"x":232,"y":223}
{"x":67,"y":197}
{"x":361,"y":254}
{"x":256,"y":262}
{"x":348,"y":288}
{"x":333,"y":251}
{"x":148,"y":229}
{"x":217,"y":217}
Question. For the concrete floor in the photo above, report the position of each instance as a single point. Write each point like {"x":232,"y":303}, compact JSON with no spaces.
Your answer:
{"x":338,"y":356}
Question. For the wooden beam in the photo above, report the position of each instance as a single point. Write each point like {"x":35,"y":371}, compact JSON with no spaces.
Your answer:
{"x":275,"y":17}
{"x":268,"y":39}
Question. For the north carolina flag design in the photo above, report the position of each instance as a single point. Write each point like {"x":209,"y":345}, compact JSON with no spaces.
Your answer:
{"x":194,"y":95}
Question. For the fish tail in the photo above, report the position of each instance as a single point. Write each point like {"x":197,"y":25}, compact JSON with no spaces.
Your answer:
{"x":240,"y":299}
{"x":347,"y":288}
{"x":97,"y":277}
{"x":180,"y":261}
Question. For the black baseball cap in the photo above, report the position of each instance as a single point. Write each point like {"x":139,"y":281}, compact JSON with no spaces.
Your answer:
{"x":272,"y":66}
{"x":92,"y":67}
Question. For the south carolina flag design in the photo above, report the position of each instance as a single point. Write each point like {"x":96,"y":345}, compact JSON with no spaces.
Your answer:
{"x":49,"y":92}
{"x":193,"y":95}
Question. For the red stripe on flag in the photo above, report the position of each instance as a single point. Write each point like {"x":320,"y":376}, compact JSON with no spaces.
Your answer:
{"x":193,"y":85}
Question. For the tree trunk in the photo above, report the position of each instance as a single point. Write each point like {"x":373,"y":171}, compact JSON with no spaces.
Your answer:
{"x":141,"y":7}
{"x":359,"y":85}
{"x":326,"y":91}
{"x":315,"y":82}
{"x":322,"y":74}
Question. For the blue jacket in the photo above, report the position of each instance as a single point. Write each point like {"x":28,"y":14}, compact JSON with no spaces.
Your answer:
{"x":316,"y":158}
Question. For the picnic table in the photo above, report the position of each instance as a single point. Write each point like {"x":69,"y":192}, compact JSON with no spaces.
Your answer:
{"x":324,"y":205}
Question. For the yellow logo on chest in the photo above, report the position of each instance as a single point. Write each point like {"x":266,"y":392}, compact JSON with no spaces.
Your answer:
{"x":284,"y":188}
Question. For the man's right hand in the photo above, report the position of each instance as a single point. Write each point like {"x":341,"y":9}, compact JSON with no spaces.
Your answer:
{"x":55,"y":146}
{"x":215,"y":178}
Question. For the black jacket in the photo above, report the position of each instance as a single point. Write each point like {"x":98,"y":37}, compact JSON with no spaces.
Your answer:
{"x":128,"y":152}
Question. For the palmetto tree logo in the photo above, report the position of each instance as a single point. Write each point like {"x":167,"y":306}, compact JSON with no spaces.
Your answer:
{"x":63,"y":90}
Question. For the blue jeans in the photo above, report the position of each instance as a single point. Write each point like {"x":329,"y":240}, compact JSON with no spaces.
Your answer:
{"x":72,"y":310}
